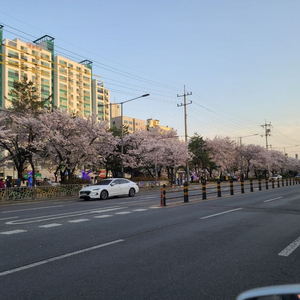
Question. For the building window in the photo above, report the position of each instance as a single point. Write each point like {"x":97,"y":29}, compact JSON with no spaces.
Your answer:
{"x":45,"y":56}
{"x":125,"y":121}
{"x":13,"y":54}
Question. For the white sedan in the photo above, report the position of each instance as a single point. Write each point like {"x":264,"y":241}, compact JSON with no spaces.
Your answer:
{"x":109,"y":188}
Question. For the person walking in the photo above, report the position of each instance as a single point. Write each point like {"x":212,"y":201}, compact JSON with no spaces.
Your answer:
{"x":2,"y":184}
{"x":18,"y":182}
{"x":8,"y":183}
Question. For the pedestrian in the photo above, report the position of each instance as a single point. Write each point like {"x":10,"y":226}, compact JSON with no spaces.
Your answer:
{"x":8,"y":183}
{"x":2,"y":184}
{"x":18,"y":182}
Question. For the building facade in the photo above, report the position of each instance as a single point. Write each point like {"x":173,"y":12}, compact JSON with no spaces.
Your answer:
{"x":155,"y":123}
{"x":70,"y":83}
{"x":131,"y":123}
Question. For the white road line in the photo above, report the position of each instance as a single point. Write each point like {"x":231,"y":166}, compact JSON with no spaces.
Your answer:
{"x":60,"y":216}
{"x":8,"y":218}
{"x":43,"y":262}
{"x":103,"y":216}
{"x":290,"y":248}
{"x":218,"y":214}
{"x":123,"y":213}
{"x":50,"y":225}
{"x":154,"y":207}
{"x":13,"y":231}
{"x":273,"y":199}
{"x":140,"y":209}
{"x":78,"y":220}
{"x":36,"y":208}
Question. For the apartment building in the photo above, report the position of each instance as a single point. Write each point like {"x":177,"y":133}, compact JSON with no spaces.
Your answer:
{"x":132,"y":123}
{"x":155,"y":123}
{"x":70,"y":83}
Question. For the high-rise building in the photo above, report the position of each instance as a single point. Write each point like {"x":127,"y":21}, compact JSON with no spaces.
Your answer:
{"x":70,"y":83}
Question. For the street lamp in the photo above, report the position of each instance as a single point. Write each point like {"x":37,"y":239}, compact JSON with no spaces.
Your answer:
{"x":242,"y":167}
{"x":122,"y":146}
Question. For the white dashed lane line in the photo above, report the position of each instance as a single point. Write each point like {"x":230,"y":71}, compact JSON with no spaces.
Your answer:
{"x":13,"y":231}
{"x":140,"y":209}
{"x":78,"y":220}
{"x":103,"y":216}
{"x":123,"y":213}
{"x":50,"y":225}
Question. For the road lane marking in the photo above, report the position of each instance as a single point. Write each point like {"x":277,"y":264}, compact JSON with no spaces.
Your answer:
{"x":46,"y":261}
{"x":273,"y":199}
{"x":140,"y":209}
{"x":60,"y":216}
{"x":154,"y":207}
{"x":290,"y":248}
{"x":13,"y":231}
{"x":218,"y":214}
{"x":123,"y":213}
{"x":36,"y":208}
{"x":8,"y":218}
{"x":103,"y":216}
{"x":50,"y":225}
{"x":78,"y":220}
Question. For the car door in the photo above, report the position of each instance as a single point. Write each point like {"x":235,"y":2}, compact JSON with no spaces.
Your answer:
{"x":124,"y":186}
{"x":114,"y":189}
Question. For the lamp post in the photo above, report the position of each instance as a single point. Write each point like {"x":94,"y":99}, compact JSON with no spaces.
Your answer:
{"x":242,"y":175}
{"x":122,"y":146}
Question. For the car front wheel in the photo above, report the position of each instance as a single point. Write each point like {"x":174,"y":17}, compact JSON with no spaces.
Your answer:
{"x":131,"y":192}
{"x":104,"y":195}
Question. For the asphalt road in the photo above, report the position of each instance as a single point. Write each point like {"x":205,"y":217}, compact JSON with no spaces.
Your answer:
{"x":131,"y":248}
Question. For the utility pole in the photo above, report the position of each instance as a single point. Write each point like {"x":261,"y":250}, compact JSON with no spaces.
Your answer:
{"x":267,"y":128}
{"x":185,"y":124}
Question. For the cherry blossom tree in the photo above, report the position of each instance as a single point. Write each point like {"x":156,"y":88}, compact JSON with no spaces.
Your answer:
{"x":72,"y":142}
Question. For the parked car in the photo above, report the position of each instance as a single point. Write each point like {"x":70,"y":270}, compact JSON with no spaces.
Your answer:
{"x":109,"y":188}
{"x":298,"y":176}
{"x":275,"y":177}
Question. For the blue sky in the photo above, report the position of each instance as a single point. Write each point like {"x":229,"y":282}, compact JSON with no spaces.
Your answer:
{"x":239,"y":58}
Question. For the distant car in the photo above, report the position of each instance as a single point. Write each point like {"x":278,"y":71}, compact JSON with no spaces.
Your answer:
{"x":234,"y":178}
{"x":275,"y":177}
{"x":297,"y":176}
{"x":109,"y":188}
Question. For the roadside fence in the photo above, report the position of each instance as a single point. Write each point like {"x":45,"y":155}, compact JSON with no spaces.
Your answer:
{"x":39,"y":192}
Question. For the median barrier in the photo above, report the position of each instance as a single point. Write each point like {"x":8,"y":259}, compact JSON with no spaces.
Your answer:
{"x":215,"y":189}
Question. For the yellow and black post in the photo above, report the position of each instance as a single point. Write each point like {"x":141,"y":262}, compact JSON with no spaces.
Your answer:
{"x":219,"y":188}
{"x":185,"y":192}
{"x":231,"y":187}
{"x":273,"y":183}
{"x":163,"y":196}
{"x":282,"y":181}
{"x":259,"y":184}
{"x":242,"y":186}
{"x":278,"y":182}
{"x":267,"y":184}
{"x":203,"y":189}
{"x":287,"y":181}
{"x":290,"y":180}
{"x":251,"y":185}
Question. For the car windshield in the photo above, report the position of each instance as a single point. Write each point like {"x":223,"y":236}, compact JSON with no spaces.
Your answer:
{"x":104,"y":182}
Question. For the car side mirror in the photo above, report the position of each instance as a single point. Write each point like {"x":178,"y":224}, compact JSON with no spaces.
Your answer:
{"x":112,"y":184}
{"x":280,"y":292}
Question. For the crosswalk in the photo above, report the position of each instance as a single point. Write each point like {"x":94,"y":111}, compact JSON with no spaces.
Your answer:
{"x":76,"y":221}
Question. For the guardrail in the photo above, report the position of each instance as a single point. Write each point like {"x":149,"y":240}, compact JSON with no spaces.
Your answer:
{"x":242,"y":187}
{"x":39,"y":192}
